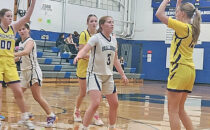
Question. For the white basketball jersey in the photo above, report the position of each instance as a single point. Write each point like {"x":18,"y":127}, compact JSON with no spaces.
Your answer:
{"x":102,"y":54}
{"x":29,"y":62}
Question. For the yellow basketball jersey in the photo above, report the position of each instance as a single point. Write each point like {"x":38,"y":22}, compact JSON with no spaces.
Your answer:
{"x":182,"y":45}
{"x":84,"y":37}
{"x":83,"y":63}
{"x":7,"y":42}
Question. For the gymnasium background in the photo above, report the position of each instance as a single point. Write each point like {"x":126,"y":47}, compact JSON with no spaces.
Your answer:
{"x":141,"y":36}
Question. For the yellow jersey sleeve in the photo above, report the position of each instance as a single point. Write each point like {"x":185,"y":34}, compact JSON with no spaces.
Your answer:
{"x":180,"y":28}
{"x":82,"y":39}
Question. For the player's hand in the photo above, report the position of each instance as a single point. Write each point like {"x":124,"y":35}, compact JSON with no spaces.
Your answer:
{"x":76,"y":59}
{"x":125,"y":79}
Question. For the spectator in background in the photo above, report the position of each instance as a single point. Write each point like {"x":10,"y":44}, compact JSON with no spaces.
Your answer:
{"x":70,"y":43}
{"x":17,"y":41}
{"x":60,"y":43}
{"x":76,"y":38}
{"x":16,"y":49}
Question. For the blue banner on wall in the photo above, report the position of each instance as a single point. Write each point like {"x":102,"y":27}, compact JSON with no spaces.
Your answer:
{"x":205,"y":14}
{"x":198,"y":3}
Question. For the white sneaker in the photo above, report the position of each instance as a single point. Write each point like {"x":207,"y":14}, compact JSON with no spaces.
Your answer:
{"x":31,"y":117}
{"x":77,"y":116}
{"x":25,"y":120}
{"x":97,"y":120}
{"x":29,"y":125}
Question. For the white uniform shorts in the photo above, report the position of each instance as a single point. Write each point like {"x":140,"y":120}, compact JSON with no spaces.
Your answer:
{"x":30,"y":77}
{"x":103,"y":83}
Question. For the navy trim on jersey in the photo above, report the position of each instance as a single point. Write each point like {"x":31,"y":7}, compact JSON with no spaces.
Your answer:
{"x":88,"y":33}
{"x":97,"y":83}
{"x":1,"y":81}
{"x":177,"y":47}
{"x":115,"y":90}
{"x":88,"y":80}
{"x":175,"y":90}
{"x":12,"y":29}
{"x":4,"y":30}
{"x":106,"y":38}
{"x":178,"y":58}
{"x":12,"y":82}
{"x":81,"y":78}
{"x":93,"y":58}
{"x":172,"y":76}
{"x":174,"y":68}
{"x":191,"y":45}
{"x":39,"y":81}
{"x":31,"y":70}
{"x":184,"y":37}
{"x":25,"y":40}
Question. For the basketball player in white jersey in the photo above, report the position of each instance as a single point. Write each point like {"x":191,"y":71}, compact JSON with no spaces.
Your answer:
{"x":100,"y":80}
{"x":31,"y":74}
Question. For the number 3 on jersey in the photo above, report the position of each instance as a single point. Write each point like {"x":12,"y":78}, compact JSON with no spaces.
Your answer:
{"x":5,"y":44}
{"x":109,"y":59}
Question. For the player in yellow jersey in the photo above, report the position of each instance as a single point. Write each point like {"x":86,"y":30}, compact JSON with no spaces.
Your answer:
{"x":8,"y":70}
{"x":182,"y":71}
{"x":92,"y":22}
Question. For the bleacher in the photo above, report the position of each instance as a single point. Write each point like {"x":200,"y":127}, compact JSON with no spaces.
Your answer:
{"x":58,"y":66}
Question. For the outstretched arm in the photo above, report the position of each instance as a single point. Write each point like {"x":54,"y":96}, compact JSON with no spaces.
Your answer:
{"x":160,"y":14}
{"x":82,"y":53}
{"x":178,"y":3}
{"x":24,"y":19}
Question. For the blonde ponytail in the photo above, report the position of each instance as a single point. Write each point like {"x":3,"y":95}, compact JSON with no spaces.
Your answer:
{"x":196,"y":26}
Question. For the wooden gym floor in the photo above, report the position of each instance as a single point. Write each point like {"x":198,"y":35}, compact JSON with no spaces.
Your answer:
{"x":141,"y":107}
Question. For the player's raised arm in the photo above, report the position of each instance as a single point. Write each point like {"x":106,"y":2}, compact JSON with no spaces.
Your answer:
{"x":26,"y":18}
{"x":160,"y":14}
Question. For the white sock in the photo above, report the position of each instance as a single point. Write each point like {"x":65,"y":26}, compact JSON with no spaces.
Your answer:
{"x":111,"y":126}
{"x":25,"y":116}
{"x":51,"y":114}
{"x":84,"y":127}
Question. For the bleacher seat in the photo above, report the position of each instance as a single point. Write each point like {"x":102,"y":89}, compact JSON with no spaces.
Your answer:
{"x":125,"y":64}
{"x":57,"y":67}
{"x":55,"y":50}
{"x":132,"y":70}
{"x":67,"y":75}
{"x":39,"y":54}
{"x":64,"y":56}
{"x":71,"y":61}
{"x":141,"y":76}
{"x":48,"y":61}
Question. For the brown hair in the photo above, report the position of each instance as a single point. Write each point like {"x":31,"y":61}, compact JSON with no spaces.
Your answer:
{"x":102,"y":21}
{"x":2,"y":13}
{"x":193,"y":13}
{"x":89,"y":16}
{"x":27,"y":26}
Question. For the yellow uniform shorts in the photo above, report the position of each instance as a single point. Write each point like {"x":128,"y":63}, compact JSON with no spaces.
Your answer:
{"x":82,"y":68}
{"x":181,"y":78}
{"x":8,"y":70}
